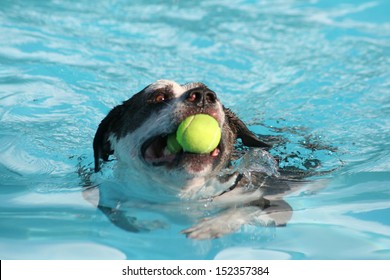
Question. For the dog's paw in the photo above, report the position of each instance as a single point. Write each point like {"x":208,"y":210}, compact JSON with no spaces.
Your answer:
{"x":211,"y":228}
{"x":226,"y":222}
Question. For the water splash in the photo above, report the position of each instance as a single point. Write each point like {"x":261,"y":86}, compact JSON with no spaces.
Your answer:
{"x":253,"y":160}
{"x":257,"y":160}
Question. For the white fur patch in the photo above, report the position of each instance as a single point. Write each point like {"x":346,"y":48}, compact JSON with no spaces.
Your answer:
{"x":177,"y":89}
{"x":164,"y":121}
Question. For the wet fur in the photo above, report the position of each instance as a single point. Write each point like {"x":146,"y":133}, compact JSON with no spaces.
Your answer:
{"x":196,"y":179}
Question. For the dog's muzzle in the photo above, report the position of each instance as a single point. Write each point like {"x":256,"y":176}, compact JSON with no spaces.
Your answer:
{"x":154,"y":150}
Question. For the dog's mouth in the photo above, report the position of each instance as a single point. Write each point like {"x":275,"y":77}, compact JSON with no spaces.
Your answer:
{"x":155,"y":152}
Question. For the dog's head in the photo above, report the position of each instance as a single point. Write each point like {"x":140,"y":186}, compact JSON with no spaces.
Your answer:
{"x":136,"y":132}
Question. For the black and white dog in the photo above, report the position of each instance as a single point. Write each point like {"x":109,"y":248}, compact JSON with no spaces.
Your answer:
{"x":135,"y":132}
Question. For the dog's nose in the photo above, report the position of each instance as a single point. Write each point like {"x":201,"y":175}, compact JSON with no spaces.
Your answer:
{"x":201,"y":97}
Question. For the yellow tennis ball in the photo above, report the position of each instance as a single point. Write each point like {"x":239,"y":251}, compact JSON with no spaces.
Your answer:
{"x":172,"y":144}
{"x":199,"y":134}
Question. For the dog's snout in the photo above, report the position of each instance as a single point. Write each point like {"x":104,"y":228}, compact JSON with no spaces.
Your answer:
{"x":201,"y":97}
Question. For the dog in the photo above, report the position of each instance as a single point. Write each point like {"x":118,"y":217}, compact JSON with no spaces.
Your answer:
{"x":235,"y":194}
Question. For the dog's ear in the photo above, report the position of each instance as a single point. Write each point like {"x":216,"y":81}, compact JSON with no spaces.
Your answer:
{"x":116,"y":123}
{"x":101,"y":143}
{"x":241,"y":130}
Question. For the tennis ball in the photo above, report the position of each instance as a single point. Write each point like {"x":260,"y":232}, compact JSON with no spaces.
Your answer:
{"x":199,"y":134}
{"x":172,"y":144}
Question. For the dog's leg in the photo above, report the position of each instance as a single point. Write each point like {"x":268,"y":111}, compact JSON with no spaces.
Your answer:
{"x":227,"y":222}
{"x":123,"y":220}
{"x":279,"y":211}
{"x":232,"y":219}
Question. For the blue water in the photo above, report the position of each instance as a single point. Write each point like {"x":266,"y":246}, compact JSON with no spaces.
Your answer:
{"x":316,"y":73}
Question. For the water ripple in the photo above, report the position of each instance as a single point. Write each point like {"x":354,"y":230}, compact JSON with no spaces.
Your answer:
{"x":314,"y":73}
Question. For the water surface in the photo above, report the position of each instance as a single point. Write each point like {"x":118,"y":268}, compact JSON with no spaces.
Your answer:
{"x":313,"y":72}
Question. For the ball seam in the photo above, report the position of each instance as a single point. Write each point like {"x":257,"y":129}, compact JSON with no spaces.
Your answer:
{"x":185,"y":131}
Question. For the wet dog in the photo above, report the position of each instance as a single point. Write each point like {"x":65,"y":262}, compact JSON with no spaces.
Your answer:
{"x":135,"y":133}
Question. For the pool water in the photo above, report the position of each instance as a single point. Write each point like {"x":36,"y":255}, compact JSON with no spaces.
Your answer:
{"x":314,"y":73}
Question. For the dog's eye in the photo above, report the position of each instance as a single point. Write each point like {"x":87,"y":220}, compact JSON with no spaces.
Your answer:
{"x":160,"y":98}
